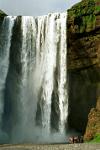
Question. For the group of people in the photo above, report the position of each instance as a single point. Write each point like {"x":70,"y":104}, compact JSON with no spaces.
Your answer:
{"x":76,"y":139}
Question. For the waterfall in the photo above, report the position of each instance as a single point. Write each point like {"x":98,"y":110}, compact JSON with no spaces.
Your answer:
{"x":33,"y":74}
{"x":5,"y":41}
{"x":62,"y":88}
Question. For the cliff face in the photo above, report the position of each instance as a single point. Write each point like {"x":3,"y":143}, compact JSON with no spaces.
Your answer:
{"x":2,"y":14}
{"x":83,"y":61}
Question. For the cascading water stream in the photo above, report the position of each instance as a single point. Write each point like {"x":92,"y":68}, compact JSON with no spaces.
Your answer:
{"x":62,"y":88}
{"x":5,"y":43}
{"x":38,"y":56}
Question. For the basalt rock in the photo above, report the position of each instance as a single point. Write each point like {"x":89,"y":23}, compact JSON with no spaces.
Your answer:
{"x":93,"y":126}
{"x":2,"y":14}
{"x":83,"y":61}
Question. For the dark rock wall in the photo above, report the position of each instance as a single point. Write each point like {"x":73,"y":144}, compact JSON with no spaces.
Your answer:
{"x":83,"y":61}
{"x":2,"y":15}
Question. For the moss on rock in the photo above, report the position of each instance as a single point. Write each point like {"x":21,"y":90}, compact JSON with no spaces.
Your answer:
{"x":93,"y":126}
{"x":85,"y":7}
{"x":83,"y":15}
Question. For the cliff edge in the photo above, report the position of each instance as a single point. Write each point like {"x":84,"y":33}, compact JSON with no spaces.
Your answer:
{"x":2,"y":14}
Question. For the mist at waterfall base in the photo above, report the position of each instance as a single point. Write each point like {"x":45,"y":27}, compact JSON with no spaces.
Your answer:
{"x":33,"y":79}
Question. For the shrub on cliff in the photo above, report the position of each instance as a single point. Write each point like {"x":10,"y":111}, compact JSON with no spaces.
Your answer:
{"x":96,"y":139}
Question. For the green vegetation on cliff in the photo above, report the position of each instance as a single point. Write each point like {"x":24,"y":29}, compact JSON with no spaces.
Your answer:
{"x":97,"y":6}
{"x":84,"y":15}
{"x":85,"y":7}
{"x":96,"y":139}
{"x":92,"y":133}
{"x":82,"y":8}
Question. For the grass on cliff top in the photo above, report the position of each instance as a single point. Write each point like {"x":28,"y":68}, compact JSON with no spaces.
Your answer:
{"x":82,"y":8}
{"x":97,"y":8}
{"x":96,"y":139}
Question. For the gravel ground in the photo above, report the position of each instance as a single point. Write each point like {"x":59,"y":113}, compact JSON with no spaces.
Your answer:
{"x":52,"y":147}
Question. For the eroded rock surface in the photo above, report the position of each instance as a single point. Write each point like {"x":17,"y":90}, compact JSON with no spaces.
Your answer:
{"x":83,"y":61}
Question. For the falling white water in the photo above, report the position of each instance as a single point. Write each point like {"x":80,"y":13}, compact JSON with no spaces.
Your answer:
{"x":54,"y":26}
{"x":63,"y":103}
{"x":43,"y":50}
{"x":5,"y":42}
{"x":27,"y":88}
{"x":48,"y":65}
{"x":5,"y":34}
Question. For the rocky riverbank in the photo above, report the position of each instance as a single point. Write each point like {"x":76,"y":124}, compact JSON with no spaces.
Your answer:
{"x":52,"y":147}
